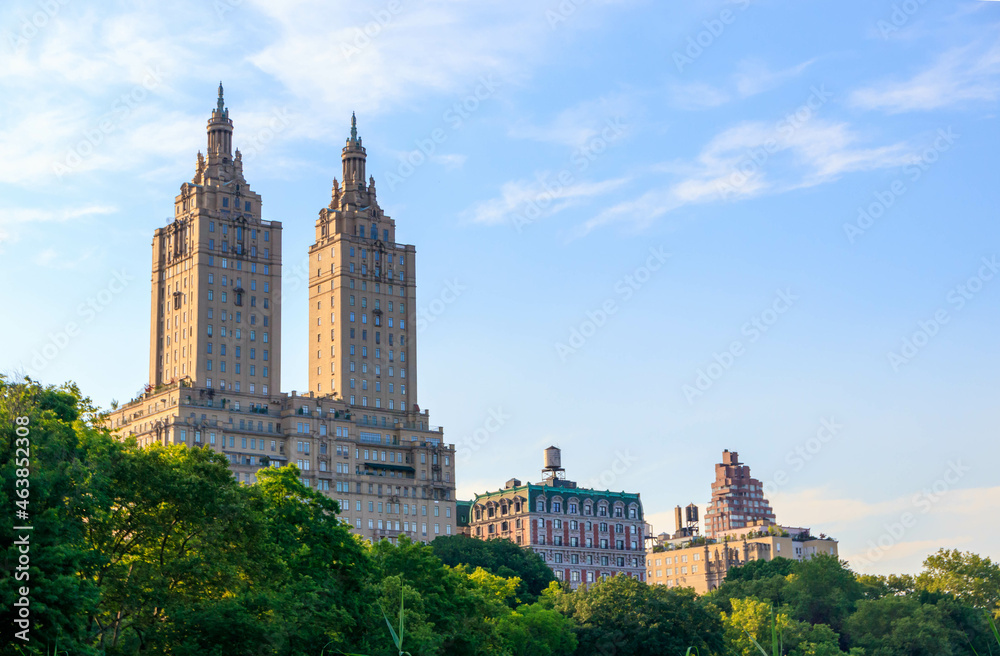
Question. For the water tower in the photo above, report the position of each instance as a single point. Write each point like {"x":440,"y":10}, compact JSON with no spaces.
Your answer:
{"x":553,"y":465}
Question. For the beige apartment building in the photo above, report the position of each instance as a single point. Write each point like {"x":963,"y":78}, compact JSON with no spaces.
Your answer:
{"x":704,"y":566}
{"x":362,"y":297}
{"x":740,"y":527}
{"x":215,"y":371}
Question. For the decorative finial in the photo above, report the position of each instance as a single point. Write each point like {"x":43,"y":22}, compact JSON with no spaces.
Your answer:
{"x":222,"y":103}
{"x":354,"y":127}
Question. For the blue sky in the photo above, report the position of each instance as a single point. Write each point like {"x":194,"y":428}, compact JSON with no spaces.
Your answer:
{"x":645,"y":232}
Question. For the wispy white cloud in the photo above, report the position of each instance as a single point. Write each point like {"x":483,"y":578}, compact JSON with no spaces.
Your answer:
{"x":958,"y":77}
{"x":450,"y":161}
{"x":872,"y":534}
{"x":578,"y":125}
{"x":12,"y":219}
{"x":531,"y":200}
{"x":755,"y":158}
{"x":53,"y":259}
{"x":803,"y":506}
{"x":14,"y":215}
{"x":372,"y":61}
{"x":752,"y":77}
{"x":88,"y":61}
{"x":697,"y":95}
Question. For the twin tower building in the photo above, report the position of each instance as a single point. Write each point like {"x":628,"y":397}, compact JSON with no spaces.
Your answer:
{"x":358,"y":434}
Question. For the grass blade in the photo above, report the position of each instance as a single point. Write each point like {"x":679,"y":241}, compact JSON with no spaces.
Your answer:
{"x":392,"y":631}
{"x":400,"y":646}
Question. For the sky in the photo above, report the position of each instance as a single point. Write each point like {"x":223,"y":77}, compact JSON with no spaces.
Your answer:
{"x":646,"y":231}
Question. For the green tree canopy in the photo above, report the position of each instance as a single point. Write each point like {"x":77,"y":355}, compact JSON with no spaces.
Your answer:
{"x":500,"y":557}
{"x":160,"y":551}
{"x":761,"y":569}
{"x":926,"y":624}
{"x":968,"y":576}
{"x":623,"y":616}
{"x":822,"y":590}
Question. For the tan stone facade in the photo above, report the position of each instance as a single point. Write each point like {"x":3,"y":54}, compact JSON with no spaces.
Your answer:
{"x":216,"y":279}
{"x":215,"y":353}
{"x":362,"y":298}
{"x":704,"y":567}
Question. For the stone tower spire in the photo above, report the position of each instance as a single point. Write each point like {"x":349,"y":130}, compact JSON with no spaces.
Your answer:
{"x":353,"y":158}
{"x":220,"y":133}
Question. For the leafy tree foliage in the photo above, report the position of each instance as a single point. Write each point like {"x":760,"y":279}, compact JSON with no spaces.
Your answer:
{"x":924,"y":624}
{"x":749,"y":620}
{"x":761,"y":569}
{"x":535,"y":630}
{"x":822,"y":590}
{"x":623,"y":616}
{"x":770,"y":588}
{"x":500,"y":557}
{"x":160,"y":551}
{"x":876,"y":586}
{"x":967,"y":576}
{"x":61,"y":576}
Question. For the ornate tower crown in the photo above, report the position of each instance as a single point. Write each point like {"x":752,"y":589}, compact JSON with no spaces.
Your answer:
{"x":353,"y":158}
{"x":220,"y":133}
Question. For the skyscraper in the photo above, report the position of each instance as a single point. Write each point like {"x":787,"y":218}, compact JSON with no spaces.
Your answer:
{"x":358,"y":435}
{"x":737,"y":498}
{"x":216,"y":308}
{"x":362,"y":299}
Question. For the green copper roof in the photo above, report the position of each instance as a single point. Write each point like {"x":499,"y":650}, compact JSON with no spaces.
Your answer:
{"x":533,"y":491}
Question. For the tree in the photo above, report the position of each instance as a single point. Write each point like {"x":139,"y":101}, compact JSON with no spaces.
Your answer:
{"x":623,"y":616}
{"x":822,"y":590}
{"x":534,"y":630}
{"x":771,"y":589}
{"x":500,"y":557}
{"x":804,"y":639}
{"x":751,"y":618}
{"x":62,"y":591}
{"x":316,"y":572}
{"x":968,"y":576}
{"x":761,"y":569}
{"x":159,"y":550}
{"x":876,"y":586}
{"x":924,"y":624}
{"x":462,"y":609}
